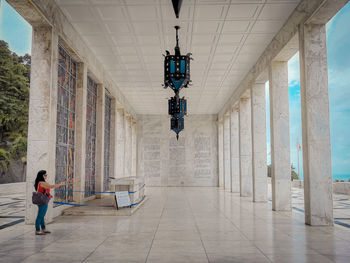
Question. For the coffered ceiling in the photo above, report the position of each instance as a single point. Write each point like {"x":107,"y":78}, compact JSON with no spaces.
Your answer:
{"x":129,"y":37}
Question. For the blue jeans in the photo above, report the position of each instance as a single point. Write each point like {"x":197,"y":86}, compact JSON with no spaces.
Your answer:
{"x":40,"y":217}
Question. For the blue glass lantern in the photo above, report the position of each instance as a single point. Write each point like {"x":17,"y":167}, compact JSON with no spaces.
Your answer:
{"x":177,"y":76}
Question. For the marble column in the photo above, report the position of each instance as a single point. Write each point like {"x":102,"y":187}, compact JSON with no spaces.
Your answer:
{"x":113,"y":139}
{"x":80,"y":129}
{"x":134,"y":148}
{"x":245,"y":147}
{"x":100,"y":122}
{"x":41,"y":148}
{"x":128,"y":146}
{"x":227,"y":153}
{"x":279,"y":128}
{"x":120,"y":141}
{"x":259,"y":142}
{"x":235,"y":182}
{"x":317,"y":164}
{"x":221,"y":152}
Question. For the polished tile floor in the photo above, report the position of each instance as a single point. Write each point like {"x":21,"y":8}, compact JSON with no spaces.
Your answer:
{"x":181,"y":225}
{"x":12,"y":204}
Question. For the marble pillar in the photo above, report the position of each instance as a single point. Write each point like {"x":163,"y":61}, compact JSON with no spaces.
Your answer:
{"x":100,"y":122}
{"x":41,"y":148}
{"x":245,"y":147}
{"x":134,"y":148}
{"x":120,"y":141}
{"x":128,"y":146}
{"x":221,"y":152}
{"x":279,"y":128}
{"x":80,"y":136}
{"x":113,"y":139}
{"x":227,"y":153}
{"x":259,"y":153}
{"x":235,"y":182}
{"x":317,"y":164}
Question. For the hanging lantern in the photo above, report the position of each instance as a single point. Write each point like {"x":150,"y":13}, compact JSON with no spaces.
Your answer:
{"x":177,"y":76}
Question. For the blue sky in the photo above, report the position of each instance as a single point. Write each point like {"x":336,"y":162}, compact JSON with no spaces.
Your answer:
{"x":15,"y":30}
{"x":338,"y":50}
{"x":18,"y":33}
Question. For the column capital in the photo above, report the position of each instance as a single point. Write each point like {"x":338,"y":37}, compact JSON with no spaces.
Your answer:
{"x":235,"y":107}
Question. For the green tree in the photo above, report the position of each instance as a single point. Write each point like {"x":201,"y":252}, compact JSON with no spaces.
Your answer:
{"x":14,"y":101}
{"x":294,"y":175}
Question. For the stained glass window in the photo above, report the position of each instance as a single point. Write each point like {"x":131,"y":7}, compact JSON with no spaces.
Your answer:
{"x":65,"y":126}
{"x":90,"y":169}
{"x":107,"y":146}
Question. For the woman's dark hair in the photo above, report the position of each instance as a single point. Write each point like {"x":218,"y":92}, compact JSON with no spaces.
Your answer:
{"x":39,"y":178}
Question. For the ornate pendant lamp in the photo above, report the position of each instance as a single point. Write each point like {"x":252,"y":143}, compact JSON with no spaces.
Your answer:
{"x":177,"y":76}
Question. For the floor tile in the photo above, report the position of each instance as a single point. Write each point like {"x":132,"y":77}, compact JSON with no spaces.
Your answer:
{"x":191,"y":224}
{"x":238,"y":258}
{"x":173,"y":257}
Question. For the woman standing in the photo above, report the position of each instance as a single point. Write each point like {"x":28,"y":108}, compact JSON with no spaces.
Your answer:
{"x":42,"y":187}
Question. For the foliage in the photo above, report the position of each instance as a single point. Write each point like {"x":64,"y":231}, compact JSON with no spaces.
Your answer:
{"x":14,"y":101}
{"x":4,"y":159}
{"x":294,"y":175}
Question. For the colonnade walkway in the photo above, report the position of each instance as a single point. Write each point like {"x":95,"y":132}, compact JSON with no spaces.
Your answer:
{"x":187,"y":224}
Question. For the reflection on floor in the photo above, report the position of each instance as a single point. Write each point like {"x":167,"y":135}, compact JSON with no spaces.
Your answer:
{"x":341,"y":206}
{"x":12,"y":204}
{"x":181,"y":225}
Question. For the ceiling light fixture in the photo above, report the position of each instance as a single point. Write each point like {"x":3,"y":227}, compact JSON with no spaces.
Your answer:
{"x":177,"y":76}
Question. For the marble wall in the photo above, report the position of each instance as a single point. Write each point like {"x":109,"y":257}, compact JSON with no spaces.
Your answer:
{"x":190,"y":161}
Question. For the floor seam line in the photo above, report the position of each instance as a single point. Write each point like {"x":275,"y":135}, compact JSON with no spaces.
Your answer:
{"x":94,"y":249}
{"x":154,"y":236}
{"x":200,"y":236}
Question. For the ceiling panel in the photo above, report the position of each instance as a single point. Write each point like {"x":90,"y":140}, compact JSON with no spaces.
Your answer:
{"x":142,"y":13}
{"x":236,"y":26}
{"x":129,"y":37}
{"x":209,"y":12}
{"x":277,"y":11}
{"x":110,"y":12}
{"x":241,"y":11}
